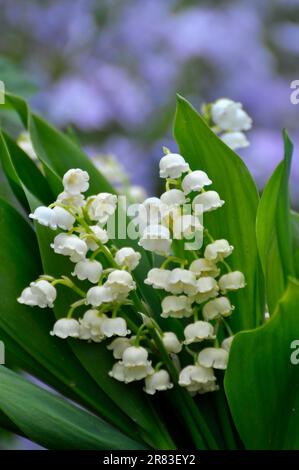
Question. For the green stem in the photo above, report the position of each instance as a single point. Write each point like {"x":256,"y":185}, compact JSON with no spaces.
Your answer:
{"x":65,"y":281}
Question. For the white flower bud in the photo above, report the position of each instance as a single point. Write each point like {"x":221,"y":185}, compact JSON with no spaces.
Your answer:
{"x":195,"y":181}
{"x":45,"y":216}
{"x":66,"y":327}
{"x":114,"y":326}
{"x":204,"y":267}
{"x":232,"y":281}
{"x":63,"y":218}
{"x":173,"y":197}
{"x":173,"y":165}
{"x":229,"y":115}
{"x":120,"y":283}
{"x":198,"y":331}
{"x":185,"y":226}
{"x":156,"y":238}
{"x":171,"y":342}
{"x":76,"y":181}
{"x":182,"y":281}
{"x":118,"y":346}
{"x":101,"y":207}
{"x":176,"y":307}
{"x":135,"y":356}
{"x":207,"y":202}
{"x":198,"y":379}
{"x":99,"y":295}
{"x":44,"y":293}
{"x":213,"y":357}
{"x":75,"y":200}
{"x":235,"y":140}
{"x":216,"y":308}
{"x":88,"y":269}
{"x":157,"y":382}
{"x":226,"y":343}
{"x":127,"y":258}
{"x":218,"y":250}
{"x":70,"y":245}
{"x":158,"y":278}
{"x":27,"y":297}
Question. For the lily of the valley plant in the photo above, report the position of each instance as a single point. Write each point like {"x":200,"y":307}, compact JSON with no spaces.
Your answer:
{"x":146,"y":332}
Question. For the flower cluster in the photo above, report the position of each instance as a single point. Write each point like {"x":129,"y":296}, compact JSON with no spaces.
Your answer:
{"x":193,"y":284}
{"x":229,"y":120}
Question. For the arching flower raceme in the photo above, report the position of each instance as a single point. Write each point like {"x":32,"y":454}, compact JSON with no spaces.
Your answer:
{"x":218,"y":250}
{"x":63,"y":218}
{"x":198,"y":379}
{"x":176,"y":306}
{"x":195,"y":181}
{"x":204,"y":267}
{"x":88,"y":269}
{"x":158,"y":278}
{"x":229,"y":115}
{"x":99,"y":295}
{"x":213,"y":357}
{"x":65,"y":328}
{"x":76,"y":181}
{"x":156,"y":238}
{"x":171,"y":342}
{"x":198,"y":331}
{"x":232,"y":281}
{"x":127,"y":258}
{"x":207,"y":202}
{"x":120,"y":283}
{"x":216,"y":308}
{"x":101,"y":207}
{"x":44,"y":293}
{"x":157,"y":382}
{"x":44,"y":216}
{"x":182,"y":281}
{"x":118,"y":346}
{"x":235,"y":140}
{"x":70,"y":245}
{"x":173,"y":165}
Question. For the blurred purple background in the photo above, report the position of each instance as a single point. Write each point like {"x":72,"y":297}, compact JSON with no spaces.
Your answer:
{"x":111,"y":70}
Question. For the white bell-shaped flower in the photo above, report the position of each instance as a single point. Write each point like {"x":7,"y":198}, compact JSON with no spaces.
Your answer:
{"x":198,"y":331}
{"x":114,"y":326}
{"x":218,"y":250}
{"x":44,"y":292}
{"x":118,"y":372}
{"x":27,"y":297}
{"x":70,"y":245}
{"x":99,"y":295}
{"x":216,"y":308}
{"x":130,"y":374}
{"x":120,"y":283}
{"x":198,"y":379}
{"x":88,"y":269}
{"x":204,"y":267}
{"x":207,"y":202}
{"x":101,"y":207}
{"x":99,"y":233}
{"x":232,"y":281}
{"x":195,"y":181}
{"x":207,"y":288}
{"x":127,"y":258}
{"x":229,"y":115}
{"x":91,"y":325}
{"x":172,"y":165}
{"x":76,"y":181}
{"x":182,"y":281}
{"x":149,"y":213}
{"x":235,"y":140}
{"x":157,"y":382}
{"x":118,"y":346}
{"x":44,"y":216}
{"x":173,"y":197}
{"x":185,"y":226}
{"x":226,"y":343}
{"x":176,"y":306}
{"x":213,"y":357}
{"x":171,"y":342}
{"x":156,"y":238}
{"x":65,"y":328}
{"x":63,"y":218}
{"x":67,"y":199}
{"x":158,"y":278}
{"x":135,"y":356}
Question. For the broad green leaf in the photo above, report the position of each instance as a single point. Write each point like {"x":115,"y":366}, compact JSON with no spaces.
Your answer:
{"x":19,"y":265}
{"x":295,"y":231}
{"x":273,"y":230}
{"x":53,"y":422}
{"x":262,"y":383}
{"x":235,"y":221}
